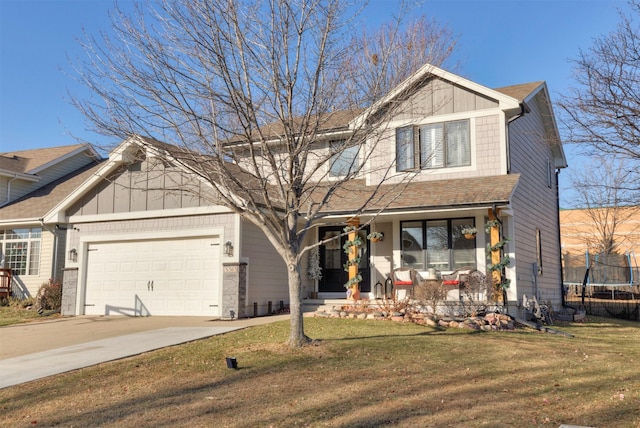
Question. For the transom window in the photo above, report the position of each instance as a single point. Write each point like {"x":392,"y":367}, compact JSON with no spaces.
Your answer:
{"x":20,"y":250}
{"x":437,"y":244}
{"x":436,"y":145}
{"x":344,"y":159}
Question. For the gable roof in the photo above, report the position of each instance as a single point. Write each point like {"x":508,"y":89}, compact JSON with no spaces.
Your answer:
{"x":36,"y":205}
{"x":506,"y":102}
{"x":521,"y":91}
{"x":537,"y":92}
{"x":35,"y":160}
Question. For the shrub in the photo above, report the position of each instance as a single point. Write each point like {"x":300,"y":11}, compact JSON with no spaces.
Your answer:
{"x":49,"y":296}
{"x":430,"y":293}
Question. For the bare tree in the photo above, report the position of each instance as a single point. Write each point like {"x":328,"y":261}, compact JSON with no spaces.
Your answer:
{"x":246,"y":92}
{"x":602,"y":111}
{"x":388,"y":55}
{"x":602,"y":189}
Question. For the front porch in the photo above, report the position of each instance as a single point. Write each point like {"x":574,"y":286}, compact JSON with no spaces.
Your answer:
{"x":432,"y":245}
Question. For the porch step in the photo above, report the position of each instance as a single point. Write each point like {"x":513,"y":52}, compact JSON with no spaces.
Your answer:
{"x":313,"y":305}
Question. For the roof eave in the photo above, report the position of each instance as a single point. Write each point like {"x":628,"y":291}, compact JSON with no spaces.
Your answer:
{"x":424,"y":209}
{"x":92,"y":153}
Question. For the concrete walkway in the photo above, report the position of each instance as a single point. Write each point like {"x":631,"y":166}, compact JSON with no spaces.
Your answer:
{"x":35,"y":350}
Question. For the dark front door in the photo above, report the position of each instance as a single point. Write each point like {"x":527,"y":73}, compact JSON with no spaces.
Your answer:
{"x":333,"y":258}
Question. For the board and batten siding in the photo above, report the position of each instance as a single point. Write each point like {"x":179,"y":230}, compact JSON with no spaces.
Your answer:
{"x":535,"y":207}
{"x":436,"y":97}
{"x":267,"y":279}
{"x":143,"y":186}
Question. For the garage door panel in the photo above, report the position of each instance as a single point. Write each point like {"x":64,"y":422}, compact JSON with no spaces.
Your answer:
{"x":163,"y":277}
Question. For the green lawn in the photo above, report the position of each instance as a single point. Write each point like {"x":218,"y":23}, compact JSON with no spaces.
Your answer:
{"x":359,"y":373}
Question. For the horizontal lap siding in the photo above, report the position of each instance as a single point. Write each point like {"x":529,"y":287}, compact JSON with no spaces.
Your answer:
{"x":267,"y":273}
{"x":145,"y":226}
{"x":20,"y":187}
{"x":534,"y":206}
{"x":28,"y":285}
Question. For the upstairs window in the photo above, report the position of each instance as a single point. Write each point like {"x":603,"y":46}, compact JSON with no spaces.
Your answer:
{"x":437,"y":145}
{"x":344,"y":159}
{"x":20,"y":250}
{"x":405,"y":148}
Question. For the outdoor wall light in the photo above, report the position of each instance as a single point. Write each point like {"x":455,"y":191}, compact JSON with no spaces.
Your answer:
{"x":228,"y":248}
{"x":73,"y":255}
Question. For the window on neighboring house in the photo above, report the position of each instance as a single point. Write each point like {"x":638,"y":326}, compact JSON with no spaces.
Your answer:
{"x":439,"y":145}
{"x":21,"y":250}
{"x":437,"y":244}
{"x":343,"y":159}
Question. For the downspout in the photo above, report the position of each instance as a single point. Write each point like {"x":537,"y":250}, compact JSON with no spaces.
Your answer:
{"x":564,"y":302}
{"x":15,"y":177}
{"x":523,"y":109}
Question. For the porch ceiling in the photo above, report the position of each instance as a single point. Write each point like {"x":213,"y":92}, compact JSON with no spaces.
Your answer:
{"x":357,"y":197}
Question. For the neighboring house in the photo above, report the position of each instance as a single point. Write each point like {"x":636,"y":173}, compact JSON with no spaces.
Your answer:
{"x":150,"y":238}
{"x":31,"y":183}
{"x":583,"y":230}
{"x":585,"y":234}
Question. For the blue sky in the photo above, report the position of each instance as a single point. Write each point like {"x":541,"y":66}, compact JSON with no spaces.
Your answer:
{"x":500,"y":42}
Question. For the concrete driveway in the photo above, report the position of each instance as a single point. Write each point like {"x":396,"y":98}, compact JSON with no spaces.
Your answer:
{"x":39,"y":349}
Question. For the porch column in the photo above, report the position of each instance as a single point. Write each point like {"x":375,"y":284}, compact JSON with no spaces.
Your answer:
{"x":353,"y":223}
{"x":495,"y":255}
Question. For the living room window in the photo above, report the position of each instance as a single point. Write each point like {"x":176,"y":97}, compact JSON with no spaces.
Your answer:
{"x":438,"y":145}
{"x":438,"y":244}
{"x":20,"y":250}
{"x":344,"y":160}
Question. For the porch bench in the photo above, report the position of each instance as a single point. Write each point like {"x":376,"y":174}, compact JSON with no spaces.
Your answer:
{"x":5,"y":282}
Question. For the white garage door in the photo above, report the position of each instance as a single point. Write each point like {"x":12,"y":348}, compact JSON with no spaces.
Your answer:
{"x":153,"y":277}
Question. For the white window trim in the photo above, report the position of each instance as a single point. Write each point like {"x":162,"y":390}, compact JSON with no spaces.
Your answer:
{"x":29,"y":240}
{"x":434,"y":120}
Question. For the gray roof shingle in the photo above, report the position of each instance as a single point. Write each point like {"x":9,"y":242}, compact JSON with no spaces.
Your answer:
{"x":36,"y":204}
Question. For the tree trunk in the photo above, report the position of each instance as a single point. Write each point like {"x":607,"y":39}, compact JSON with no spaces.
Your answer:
{"x":297,"y":338}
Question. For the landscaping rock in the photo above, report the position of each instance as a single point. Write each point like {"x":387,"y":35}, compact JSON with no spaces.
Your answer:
{"x":430,"y":322}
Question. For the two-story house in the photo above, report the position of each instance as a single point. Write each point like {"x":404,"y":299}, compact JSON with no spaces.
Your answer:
{"x":32,"y":182}
{"x":148,"y":239}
